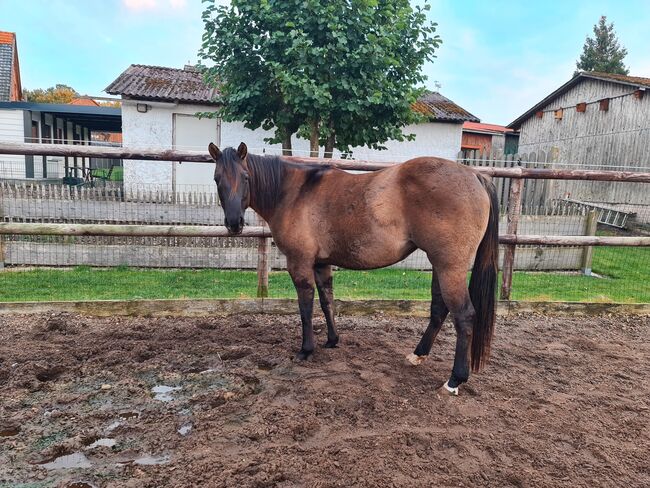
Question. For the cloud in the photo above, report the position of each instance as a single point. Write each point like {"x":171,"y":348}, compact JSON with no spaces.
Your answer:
{"x":141,"y":5}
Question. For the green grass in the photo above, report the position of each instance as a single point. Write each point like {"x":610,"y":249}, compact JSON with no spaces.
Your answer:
{"x":625,"y":275}
{"x":626,"y":278}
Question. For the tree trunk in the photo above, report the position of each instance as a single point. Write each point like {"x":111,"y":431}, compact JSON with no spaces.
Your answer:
{"x":314,"y":137}
{"x":286,"y":145}
{"x":329,"y":143}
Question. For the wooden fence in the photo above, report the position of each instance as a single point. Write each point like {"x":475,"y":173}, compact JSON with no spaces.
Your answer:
{"x":154,"y":206}
{"x":515,"y":191}
{"x":633,"y":198}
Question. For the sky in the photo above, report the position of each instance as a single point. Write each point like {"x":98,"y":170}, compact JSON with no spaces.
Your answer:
{"x":498,"y":58}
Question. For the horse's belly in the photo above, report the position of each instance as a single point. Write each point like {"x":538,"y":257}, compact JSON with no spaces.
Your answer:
{"x":362,"y":252}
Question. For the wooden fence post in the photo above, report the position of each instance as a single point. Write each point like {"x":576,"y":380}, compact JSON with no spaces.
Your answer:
{"x":263,"y":248}
{"x":514,"y":211}
{"x":2,"y":219}
{"x":588,"y":252}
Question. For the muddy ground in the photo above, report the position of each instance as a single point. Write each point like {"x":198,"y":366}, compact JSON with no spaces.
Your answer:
{"x":208,"y":402}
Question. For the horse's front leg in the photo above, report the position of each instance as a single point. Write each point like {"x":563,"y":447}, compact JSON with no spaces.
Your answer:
{"x":323,"y":275}
{"x":302,"y":274}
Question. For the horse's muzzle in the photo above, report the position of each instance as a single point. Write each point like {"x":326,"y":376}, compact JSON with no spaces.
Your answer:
{"x":237,"y":228}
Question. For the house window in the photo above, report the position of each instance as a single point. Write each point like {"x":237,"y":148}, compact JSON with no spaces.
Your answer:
{"x":35,"y":137}
{"x":47,"y":134}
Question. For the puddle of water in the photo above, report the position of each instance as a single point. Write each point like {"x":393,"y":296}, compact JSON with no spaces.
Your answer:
{"x":150,"y":460}
{"x":164,"y":393}
{"x":114,"y":426}
{"x":9,"y":430}
{"x":129,"y":415}
{"x":69,"y":461}
{"x":123,"y":417}
{"x":103,"y":442}
{"x":79,"y":484}
{"x":185,"y":429}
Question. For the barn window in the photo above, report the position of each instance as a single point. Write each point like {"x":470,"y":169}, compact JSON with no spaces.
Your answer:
{"x":604,"y":104}
{"x":558,"y":114}
{"x":638,"y":94}
{"x":539,"y":114}
{"x":581,"y":107}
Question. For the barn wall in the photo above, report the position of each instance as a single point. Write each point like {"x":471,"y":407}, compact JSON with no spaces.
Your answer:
{"x":615,"y":139}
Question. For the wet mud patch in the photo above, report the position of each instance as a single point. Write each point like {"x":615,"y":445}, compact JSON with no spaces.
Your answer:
{"x":563,"y":402}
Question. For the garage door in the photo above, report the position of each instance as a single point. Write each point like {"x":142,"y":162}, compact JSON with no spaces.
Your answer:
{"x":194,"y":134}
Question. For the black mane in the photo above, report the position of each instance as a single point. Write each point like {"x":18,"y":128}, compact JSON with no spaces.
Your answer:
{"x":267,"y":175}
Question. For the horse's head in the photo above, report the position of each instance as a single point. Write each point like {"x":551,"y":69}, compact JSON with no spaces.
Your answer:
{"x":232,"y":179}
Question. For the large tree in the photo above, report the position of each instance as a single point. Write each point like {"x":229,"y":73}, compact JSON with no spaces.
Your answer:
{"x":341,"y":73}
{"x":603,"y":53}
{"x":55,"y":94}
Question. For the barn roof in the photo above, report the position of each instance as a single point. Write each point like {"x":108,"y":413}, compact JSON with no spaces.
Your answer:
{"x":633,"y":81}
{"x":438,"y":108}
{"x":163,"y":84}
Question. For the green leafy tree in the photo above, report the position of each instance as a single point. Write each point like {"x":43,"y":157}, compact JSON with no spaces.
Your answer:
{"x":603,"y":53}
{"x":341,"y":73}
{"x":54,"y":94}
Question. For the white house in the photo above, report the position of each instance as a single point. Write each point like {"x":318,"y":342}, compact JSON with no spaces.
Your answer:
{"x":159,"y":107}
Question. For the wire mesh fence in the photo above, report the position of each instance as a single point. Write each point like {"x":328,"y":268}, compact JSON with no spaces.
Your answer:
{"x":95,"y":267}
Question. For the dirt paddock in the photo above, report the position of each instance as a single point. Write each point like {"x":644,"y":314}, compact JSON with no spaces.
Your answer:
{"x":144,"y":402}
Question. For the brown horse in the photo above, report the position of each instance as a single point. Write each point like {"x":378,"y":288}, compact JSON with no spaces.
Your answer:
{"x":321,"y":216}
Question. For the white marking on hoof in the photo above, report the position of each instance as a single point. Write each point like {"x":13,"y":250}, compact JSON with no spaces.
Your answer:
{"x":415,"y":360}
{"x":450,"y":390}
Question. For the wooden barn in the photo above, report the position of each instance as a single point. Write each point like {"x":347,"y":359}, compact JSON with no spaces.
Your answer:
{"x":593,"y":121}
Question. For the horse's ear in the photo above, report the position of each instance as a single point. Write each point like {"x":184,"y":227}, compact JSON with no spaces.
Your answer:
{"x":242,"y":151}
{"x":214,"y":151}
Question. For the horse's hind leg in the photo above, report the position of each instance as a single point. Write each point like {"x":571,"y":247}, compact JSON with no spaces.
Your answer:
{"x":323,"y":275}
{"x":453,"y":287}
{"x":439,"y":312}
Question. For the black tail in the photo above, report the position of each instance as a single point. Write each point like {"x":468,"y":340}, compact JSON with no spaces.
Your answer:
{"x":483,"y":283}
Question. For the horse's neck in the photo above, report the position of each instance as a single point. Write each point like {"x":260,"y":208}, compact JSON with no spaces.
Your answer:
{"x":265,"y":196}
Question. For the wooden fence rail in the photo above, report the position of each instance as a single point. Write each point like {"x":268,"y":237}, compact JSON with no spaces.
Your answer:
{"x":204,"y":157}
{"x":17,"y":228}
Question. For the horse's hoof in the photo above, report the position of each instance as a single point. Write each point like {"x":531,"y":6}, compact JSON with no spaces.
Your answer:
{"x":331,"y":343}
{"x":304,"y":355}
{"x":449,"y":389}
{"x":415,"y":360}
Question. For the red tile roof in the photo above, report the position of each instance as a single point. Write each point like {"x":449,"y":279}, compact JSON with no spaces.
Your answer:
{"x":84,"y":101}
{"x":7,"y":37}
{"x":476,"y":126}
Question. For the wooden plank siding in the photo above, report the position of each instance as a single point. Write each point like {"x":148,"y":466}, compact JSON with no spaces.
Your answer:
{"x":616,"y":139}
